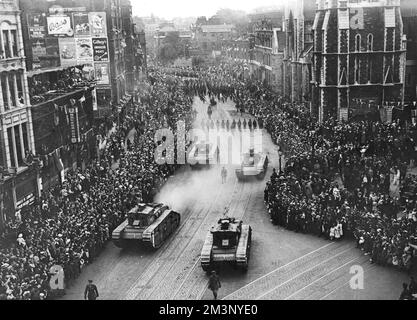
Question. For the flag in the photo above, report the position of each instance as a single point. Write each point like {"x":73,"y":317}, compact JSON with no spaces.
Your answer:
{"x":56,"y":115}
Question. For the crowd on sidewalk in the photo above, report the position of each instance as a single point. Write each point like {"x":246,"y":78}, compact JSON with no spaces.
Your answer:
{"x":341,"y":178}
{"x":70,"y":224}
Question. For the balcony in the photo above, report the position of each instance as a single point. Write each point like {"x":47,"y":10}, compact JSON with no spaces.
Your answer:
{"x":56,"y":83}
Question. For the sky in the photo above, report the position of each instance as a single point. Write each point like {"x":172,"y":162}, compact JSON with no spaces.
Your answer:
{"x":194,"y":8}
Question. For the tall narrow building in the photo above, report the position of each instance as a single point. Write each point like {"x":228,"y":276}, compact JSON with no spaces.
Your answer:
{"x":359,"y":57}
{"x":17,"y":179}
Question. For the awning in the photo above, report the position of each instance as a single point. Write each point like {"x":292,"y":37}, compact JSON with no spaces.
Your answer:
{"x":54,"y":69}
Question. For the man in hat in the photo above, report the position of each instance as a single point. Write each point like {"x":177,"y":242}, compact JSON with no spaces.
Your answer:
{"x":214,"y":284}
{"x":90,"y":292}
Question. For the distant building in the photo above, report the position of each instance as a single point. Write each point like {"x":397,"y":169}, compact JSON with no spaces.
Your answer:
{"x":359,"y":57}
{"x":212,"y":38}
{"x":267,"y":48}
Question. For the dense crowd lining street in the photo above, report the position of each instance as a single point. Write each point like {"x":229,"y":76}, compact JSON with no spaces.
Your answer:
{"x":71,"y":225}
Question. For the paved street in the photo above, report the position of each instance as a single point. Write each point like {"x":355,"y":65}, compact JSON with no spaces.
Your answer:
{"x":283,"y":265}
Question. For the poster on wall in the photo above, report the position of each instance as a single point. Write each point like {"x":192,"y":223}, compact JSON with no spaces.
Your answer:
{"x":94,"y":98}
{"x":52,"y":47}
{"x":84,"y":50}
{"x":102,"y":73}
{"x":100,"y":50}
{"x":38,"y":48}
{"x":37,"y":26}
{"x":74,"y":124}
{"x":67,"y":52}
{"x":60,"y":26}
{"x":98,"y":24}
{"x":81,"y":24}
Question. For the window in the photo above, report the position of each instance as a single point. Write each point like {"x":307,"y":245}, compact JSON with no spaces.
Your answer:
{"x":370,"y":42}
{"x":358,"y":43}
{"x":12,"y":91}
{"x":17,"y":137}
{"x":8,"y":41}
{"x":13,"y":43}
{"x":11,"y":148}
{"x":5,"y":39}
{"x":369,"y":66}
{"x":4,"y":91}
{"x":357,"y":71}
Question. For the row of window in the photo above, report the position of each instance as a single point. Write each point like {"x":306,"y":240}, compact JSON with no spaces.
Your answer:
{"x":8,"y":44}
{"x":11,"y":84}
{"x":18,"y":140}
{"x":370,"y":42}
{"x":358,"y":42}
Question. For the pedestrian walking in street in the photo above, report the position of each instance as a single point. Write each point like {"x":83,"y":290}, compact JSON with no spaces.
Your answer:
{"x":214,"y":284}
{"x":224,"y":175}
{"x":91,"y":292}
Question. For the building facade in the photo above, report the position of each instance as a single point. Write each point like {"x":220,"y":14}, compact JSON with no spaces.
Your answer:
{"x":298,"y":22}
{"x":266,"y":48}
{"x":212,"y":38}
{"x":409,"y":15}
{"x":18,"y":182}
{"x":60,"y":34}
{"x":359,"y":57}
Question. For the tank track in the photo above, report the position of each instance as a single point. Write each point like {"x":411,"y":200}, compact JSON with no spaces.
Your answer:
{"x":156,"y":234}
{"x":243,"y":248}
{"x":206,"y":253}
{"x":117,"y":235}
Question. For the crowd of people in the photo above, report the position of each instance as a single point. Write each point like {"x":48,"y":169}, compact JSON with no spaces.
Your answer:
{"x":341,"y":178}
{"x":71,"y":223}
{"x":42,"y":89}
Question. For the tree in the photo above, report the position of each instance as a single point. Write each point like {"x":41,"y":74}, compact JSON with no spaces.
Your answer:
{"x":171,"y":48}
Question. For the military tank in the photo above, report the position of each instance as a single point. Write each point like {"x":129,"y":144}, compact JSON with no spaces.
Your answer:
{"x":227,"y":242}
{"x":253,"y":165}
{"x":150,"y":224}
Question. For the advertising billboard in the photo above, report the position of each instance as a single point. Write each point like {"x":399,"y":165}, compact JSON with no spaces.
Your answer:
{"x":81,"y":25}
{"x":84,"y":50}
{"x":67,"y":52}
{"x":100,"y":50}
{"x":98,"y":24}
{"x":37,"y":26}
{"x":102,"y":73}
{"x":60,"y":26}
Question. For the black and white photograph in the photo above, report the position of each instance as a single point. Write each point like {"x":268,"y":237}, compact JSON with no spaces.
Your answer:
{"x":208,"y":156}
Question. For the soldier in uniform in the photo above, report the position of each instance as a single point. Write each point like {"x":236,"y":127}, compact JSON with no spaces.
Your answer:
{"x":214,"y":284}
{"x":91,"y":292}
